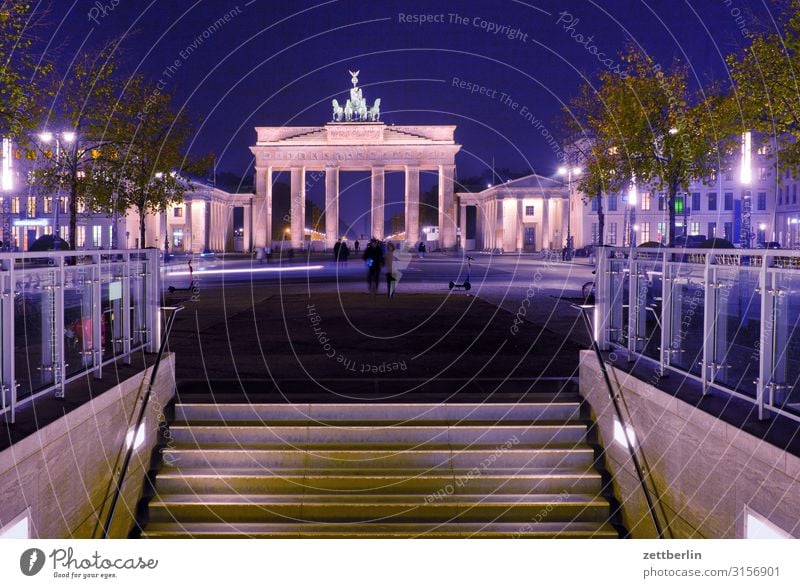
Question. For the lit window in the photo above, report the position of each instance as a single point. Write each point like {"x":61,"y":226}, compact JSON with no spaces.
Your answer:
{"x":694,"y":228}
{"x":31,"y":210}
{"x":762,"y":173}
{"x":48,"y":205}
{"x":97,"y":235}
{"x":645,"y":200}
{"x":81,"y":236}
{"x":612,"y":233}
{"x":15,"y":206}
{"x":644,"y":231}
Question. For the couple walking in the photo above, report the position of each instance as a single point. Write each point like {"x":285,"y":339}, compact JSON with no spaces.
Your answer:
{"x":376,"y":257}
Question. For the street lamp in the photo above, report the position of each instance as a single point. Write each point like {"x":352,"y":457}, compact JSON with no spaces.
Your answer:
{"x":632,"y":198}
{"x":568,"y":171}
{"x":66,"y":137}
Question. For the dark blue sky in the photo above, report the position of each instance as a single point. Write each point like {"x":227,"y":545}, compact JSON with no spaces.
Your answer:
{"x":279,"y":62}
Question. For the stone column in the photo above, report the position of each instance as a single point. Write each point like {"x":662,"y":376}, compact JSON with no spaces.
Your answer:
{"x":520,"y":217}
{"x":546,"y":222}
{"x":447,"y":221}
{"x":163,"y":223}
{"x":377,"y":219}
{"x":412,"y":205}
{"x":262,"y":230}
{"x":229,"y":236}
{"x":298,"y":206}
{"x":246,"y":244}
{"x":508,"y":209}
{"x":491,"y":224}
{"x":564,"y":216}
{"x":331,"y":205}
{"x":462,"y":224}
{"x":480,"y":223}
{"x":187,"y":225}
{"x":206,"y":226}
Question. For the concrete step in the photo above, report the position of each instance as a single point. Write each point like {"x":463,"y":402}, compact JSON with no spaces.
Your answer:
{"x":449,"y":530}
{"x":369,"y":508}
{"x":253,"y":481}
{"x":386,"y":469}
{"x":369,"y":460}
{"x":404,"y":435}
{"x":381,"y":413}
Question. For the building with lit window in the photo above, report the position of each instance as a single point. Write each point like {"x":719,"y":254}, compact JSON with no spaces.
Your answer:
{"x":745,"y":204}
{"x":203,"y":221}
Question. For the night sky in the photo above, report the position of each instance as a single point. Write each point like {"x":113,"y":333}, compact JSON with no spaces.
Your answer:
{"x":280,"y":62}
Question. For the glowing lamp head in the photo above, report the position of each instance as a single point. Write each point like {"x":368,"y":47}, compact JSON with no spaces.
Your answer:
{"x":562,"y":171}
{"x":46,"y":137}
{"x":69,"y":136}
{"x":762,"y":227}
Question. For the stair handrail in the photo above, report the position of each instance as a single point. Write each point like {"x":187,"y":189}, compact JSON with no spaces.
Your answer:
{"x":170,"y":312}
{"x":583,"y":308}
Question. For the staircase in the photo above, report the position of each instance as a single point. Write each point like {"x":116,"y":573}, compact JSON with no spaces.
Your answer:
{"x":521,"y":469}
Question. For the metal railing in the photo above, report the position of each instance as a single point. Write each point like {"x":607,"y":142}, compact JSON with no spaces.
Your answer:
{"x":117,"y":480}
{"x":66,"y":314}
{"x":727,"y":318}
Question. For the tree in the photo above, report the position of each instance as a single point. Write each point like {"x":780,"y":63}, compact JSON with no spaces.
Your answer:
{"x":647,"y":126}
{"x":766,"y":92}
{"x":593,"y":147}
{"x":156,"y":169}
{"x":83,"y":106}
{"x":21,"y":70}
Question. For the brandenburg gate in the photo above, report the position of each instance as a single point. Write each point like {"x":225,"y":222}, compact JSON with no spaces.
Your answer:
{"x":355,"y":140}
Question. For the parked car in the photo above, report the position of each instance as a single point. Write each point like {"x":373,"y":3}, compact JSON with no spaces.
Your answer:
{"x":690,"y":241}
{"x":769,"y":245}
{"x":585,"y":251}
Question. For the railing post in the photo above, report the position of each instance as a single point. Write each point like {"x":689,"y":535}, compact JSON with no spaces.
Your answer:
{"x":97,"y":316}
{"x":633,"y":304}
{"x":57,"y":334}
{"x":709,"y":320}
{"x":152,"y":299}
{"x":126,"y":309}
{"x":766,"y":282}
{"x":666,"y":313}
{"x":602,"y":307}
{"x":9,"y":387}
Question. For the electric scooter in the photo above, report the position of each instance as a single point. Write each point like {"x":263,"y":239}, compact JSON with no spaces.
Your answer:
{"x":465,"y":284}
{"x":173,"y":289}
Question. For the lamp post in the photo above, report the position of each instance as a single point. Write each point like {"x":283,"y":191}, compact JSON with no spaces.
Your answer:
{"x":66,"y":137}
{"x":746,"y":178}
{"x":7,"y":184}
{"x":568,"y":171}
